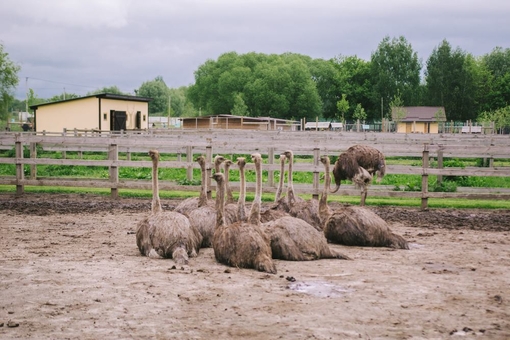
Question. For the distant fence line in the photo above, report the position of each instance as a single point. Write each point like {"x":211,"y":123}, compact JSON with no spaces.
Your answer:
{"x":189,"y":143}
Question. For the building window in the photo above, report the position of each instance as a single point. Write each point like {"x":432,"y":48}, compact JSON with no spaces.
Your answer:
{"x":144,"y":118}
{"x":105,"y":116}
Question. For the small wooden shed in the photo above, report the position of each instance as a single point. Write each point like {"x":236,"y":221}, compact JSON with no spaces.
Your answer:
{"x":418,"y":119}
{"x":225,"y":121}
{"x":102,"y":112}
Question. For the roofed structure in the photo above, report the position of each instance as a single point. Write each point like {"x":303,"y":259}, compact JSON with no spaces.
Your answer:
{"x":226,"y":121}
{"x":418,"y":119}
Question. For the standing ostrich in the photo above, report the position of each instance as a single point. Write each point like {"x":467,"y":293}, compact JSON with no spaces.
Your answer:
{"x":192,"y":203}
{"x":298,"y":207}
{"x":242,"y":244}
{"x":166,"y":234}
{"x":354,"y":225}
{"x":359,"y":164}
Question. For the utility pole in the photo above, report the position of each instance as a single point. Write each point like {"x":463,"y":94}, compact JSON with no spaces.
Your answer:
{"x":26,"y":88}
{"x":169,"y":110}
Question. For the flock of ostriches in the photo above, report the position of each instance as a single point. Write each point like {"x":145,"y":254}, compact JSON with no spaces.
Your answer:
{"x":290,"y":229}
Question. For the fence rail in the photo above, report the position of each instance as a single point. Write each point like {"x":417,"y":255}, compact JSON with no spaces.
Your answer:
{"x":188,"y":144}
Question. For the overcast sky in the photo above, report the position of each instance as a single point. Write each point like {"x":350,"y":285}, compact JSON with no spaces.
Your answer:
{"x":83,"y":45}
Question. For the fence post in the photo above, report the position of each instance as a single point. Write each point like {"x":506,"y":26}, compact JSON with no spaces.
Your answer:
{"x":33,"y":154}
{"x":270,"y":173}
{"x":316,"y":159}
{"x":113,"y":156}
{"x":208,"y":160}
{"x":425,"y":177}
{"x":18,"y":146}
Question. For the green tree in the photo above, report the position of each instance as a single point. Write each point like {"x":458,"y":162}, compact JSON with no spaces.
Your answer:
{"x":342,"y":106}
{"x":500,"y":117}
{"x":354,"y":80}
{"x":107,"y":89}
{"x":158,"y":91}
{"x":497,"y":64}
{"x":395,"y":67}
{"x":8,"y":81}
{"x":359,"y":113}
{"x":397,"y":108}
{"x":240,"y":108}
{"x":271,"y":85}
{"x":452,"y":82}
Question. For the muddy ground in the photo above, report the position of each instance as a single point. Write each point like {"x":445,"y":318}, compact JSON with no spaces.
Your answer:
{"x":70,"y":269}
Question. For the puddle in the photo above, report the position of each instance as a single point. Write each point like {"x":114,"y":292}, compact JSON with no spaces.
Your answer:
{"x":319,"y":288}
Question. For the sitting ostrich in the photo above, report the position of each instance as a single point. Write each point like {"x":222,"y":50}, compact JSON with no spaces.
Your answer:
{"x":166,"y":234}
{"x":277,"y":209}
{"x":359,"y":164}
{"x":242,"y":244}
{"x":354,"y":225}
{"x":192,"y":203}
{"x":296,"y":206}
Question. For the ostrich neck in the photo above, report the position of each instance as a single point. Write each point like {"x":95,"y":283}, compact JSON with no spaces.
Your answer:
{"x":324,"y":210}
{"x":290,"y":185}
{"x":257,"y":201}
{"x":242,"y":189}
{"x":230,"y":196}
{"x":156,"y":203}
{"x":280,"y":183}
{"x":203,"y":189}
{"x":220,"y":203}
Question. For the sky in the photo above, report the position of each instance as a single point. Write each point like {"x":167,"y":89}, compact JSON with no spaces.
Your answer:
{"x":78,"y":46}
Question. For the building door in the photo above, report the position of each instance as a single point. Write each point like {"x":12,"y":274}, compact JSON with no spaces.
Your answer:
{"x":138,"y":120}
{"x":117,"y":120}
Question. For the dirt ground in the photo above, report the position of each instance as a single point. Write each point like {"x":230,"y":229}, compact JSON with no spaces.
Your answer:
{"x":70,"y":269}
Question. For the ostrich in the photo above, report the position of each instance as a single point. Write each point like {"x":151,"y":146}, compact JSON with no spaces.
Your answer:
{"x":354,"y":225}
{"x":166,"y":234}
{"x":192,"y":203}
{"x":276,"y":210}
{"x":298,"y":207}
{"x":359,"y":164}
{"x":242,"y":244}
{"x":233,"y":211}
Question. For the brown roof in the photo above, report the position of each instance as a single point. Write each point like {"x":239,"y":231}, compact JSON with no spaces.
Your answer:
{"x":423,"y":113}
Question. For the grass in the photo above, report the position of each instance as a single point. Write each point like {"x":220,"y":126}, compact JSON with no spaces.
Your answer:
{"x":371,"y":200}
{"x":400,"y":182}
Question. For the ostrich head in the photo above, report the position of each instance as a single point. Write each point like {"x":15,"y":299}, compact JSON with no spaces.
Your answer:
{"x":200,"y":160}
{"x":154,"y":154}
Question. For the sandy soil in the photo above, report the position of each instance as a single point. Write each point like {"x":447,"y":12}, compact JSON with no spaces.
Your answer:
{"x":70,"y":269}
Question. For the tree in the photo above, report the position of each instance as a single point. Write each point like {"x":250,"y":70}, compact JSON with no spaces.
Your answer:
{"x":107,"y":89}
{"x":158,"y":91}
{"x":240,"y":108}
{"x":342,"y":106}
{"x":497,"y":64}
{"x":359,"y":113}
{"x":500,"y":117}
{"x":8,"y":80}
{"x":395,"y":67}
{"x":353,"y":79}
{"x":397,"y":108}
{"x":452,"y":81}
{"x":280,"y":86}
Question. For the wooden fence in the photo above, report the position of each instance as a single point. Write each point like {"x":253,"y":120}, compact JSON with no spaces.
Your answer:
{"x":188,"y":144}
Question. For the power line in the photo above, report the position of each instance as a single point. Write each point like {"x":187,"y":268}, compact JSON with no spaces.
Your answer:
{"x":60,"y":82}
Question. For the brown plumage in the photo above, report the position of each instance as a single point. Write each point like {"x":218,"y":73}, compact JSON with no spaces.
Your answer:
{"x":279,"y":207}
{"x":359,"y":164}
{"x":307,"y":210}
{"x":192,"y":203}
{"x":166,"y":234}
{"x":242,"y":244}
{"x":354,"y":225}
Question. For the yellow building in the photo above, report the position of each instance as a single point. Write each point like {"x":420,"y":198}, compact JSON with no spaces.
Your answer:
{"x":102,"y":112}
{"x":418,"y":119}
